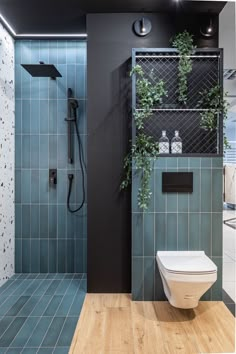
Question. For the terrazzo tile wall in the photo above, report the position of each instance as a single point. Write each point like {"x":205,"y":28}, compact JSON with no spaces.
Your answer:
{"x":48,"y":237}
{"x":7,"y":129}
{"x":177,"y":222}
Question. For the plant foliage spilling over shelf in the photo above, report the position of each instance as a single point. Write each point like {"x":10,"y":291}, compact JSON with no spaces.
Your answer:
{"x":184,"y":43}
{"x":215,"y":104}
{"x":141,"y":154}
{"x":149,"y":94}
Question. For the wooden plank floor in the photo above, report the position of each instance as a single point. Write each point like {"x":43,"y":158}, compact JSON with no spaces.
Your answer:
{"x":113,"y":324}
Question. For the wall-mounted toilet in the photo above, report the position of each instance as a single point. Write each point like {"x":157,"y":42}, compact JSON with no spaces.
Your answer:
{"x":186,"y":276}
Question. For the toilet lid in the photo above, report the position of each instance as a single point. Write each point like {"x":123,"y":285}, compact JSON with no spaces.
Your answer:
{"x":186,"y":262}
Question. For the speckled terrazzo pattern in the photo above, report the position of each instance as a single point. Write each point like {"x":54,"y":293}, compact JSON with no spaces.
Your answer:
{"x":7,"y":122}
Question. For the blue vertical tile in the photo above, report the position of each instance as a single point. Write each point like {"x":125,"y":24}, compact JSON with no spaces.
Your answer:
{"x":79,"y":256}
{"x":61,"y":221}
{"x":26,"y":256}
{"x":17,"y":186}
{"x":62,"y":144}
{"x":18,"y":117}
{"x":136,"y":180}
{"x":17,"y":52}
{"x":44,"y":116}
{"x":52,"y":116}
{"x":35,"y":256}
{"x":34,"y":186}
{"x":18,"y":255}
{"x":137,"y":234}
{"x":80,"y":53}
{"x":34,"y":151}
{"x":194,"y":231}
{"x":194,"y":162}
{"x":149,"y":266}
{"x":34,"y":221}
{"x":160,"y":231}
{"x":44,"y":221}
{"x":148,"y":234}
{"x":70,"y":225}
{"x":26,"y":221}
{"x":62,"y":82}
{"x":217,"y":186}
{"x":26,"y":51}
{"x":182,"y":231}
{"x":34,"y":116}
{"x":160,"y":163}
{"x":137,"y":278}
{"x":52,"y":151}
{"x":18,"y":150}
{"x":25,"y":86}
{"x":205,"y":233}
{"x":61,"y":52}
{"x":43,"y":256}
{"x":18,"y":220}
{"x":35,"y":56}
{"x":205,"y":162}
{"x":160,"y":198}
{"x":80,"y":77}
{"x":183,"y":162}
{"x":171,"y":162}
{"x":44,"y":152}
{"x":171,"y":231}
{"x":26,"y":151}
{"x":18,"y":91}
{"x":52,"y":256}
{"x":53,"y":52}
{"x":44,"y":187}
{"x":206,"y":197}
{"x":35,"y":88}
{"x":71,"y":76}
{"x":171,"y":200}
{"x":61,"y":254}
{"x":70,"y":256}
{"x":61,"y":115}
{"x":194,"y":198}
{"x":217,"y":229}
{"x":44,"y":51}
{"x":70,"y":53}
{"x":217,"y":162}
{"x":52,"y":221}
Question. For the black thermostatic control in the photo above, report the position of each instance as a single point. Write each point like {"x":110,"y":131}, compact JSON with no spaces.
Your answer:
{"x":177,"y":182}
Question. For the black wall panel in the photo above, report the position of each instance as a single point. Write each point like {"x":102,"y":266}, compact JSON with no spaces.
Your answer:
{"x":110,"y":41}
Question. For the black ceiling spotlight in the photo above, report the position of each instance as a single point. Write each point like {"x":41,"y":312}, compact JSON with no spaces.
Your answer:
{"x":142,"y":27}
{"x":208,"y":28}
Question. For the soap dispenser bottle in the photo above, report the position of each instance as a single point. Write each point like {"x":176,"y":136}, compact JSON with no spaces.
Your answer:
{"x":164,"y":145}
{"x":176,"y":144}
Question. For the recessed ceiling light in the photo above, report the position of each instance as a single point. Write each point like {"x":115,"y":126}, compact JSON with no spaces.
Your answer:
{"x":49,"y":35}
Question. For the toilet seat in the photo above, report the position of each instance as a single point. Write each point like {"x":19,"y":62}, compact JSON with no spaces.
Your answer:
{"x":186,"y":262}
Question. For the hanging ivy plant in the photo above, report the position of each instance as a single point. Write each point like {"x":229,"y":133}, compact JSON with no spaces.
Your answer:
{"x":149,"y":94}
{"x":215,"y":104}
{"x":141,"y":154}
{"x":184,"y":43}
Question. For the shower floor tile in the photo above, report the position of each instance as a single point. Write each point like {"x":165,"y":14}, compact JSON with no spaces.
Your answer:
{"x":39,"y":312}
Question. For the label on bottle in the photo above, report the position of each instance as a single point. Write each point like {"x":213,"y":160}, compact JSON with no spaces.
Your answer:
{"x":176,"y":148}
{"x":164,"y":148}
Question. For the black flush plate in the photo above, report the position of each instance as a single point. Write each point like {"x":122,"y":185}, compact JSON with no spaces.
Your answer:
{"x":177,"y":182}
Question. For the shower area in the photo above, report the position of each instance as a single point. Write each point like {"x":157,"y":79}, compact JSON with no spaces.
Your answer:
{"x":43,"y":268}
{"x":50,"y":156}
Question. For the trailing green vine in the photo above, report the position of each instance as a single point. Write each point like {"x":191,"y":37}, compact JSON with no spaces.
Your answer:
{"x":184,"y":43}
{"x":149,"y":95}
{"x":215,"y":104}
{"x":141,"y":154}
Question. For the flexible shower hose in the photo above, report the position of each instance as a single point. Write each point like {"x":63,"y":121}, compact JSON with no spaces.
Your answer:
{"x":82,"y":166}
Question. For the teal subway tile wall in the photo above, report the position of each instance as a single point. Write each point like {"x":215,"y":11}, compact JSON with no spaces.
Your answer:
{"x":48,"y":238}
{"x":177,"y":221}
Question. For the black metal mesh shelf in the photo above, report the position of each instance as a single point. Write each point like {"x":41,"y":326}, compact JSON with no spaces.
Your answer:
{"x":171,"y":115}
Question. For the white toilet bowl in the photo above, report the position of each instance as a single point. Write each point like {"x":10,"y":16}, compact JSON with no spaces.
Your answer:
{"x":186,"y":276}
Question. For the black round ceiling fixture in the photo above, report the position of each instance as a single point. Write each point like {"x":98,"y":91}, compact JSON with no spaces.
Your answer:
{"x":142,"y":27}
{"x":208,"y":28}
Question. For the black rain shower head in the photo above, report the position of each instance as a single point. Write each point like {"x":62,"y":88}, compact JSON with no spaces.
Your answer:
{"x":42,"y":70}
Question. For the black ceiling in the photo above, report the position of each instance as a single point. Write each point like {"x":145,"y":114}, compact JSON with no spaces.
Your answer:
{"x":69,"y":16}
